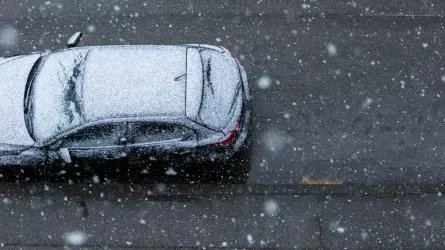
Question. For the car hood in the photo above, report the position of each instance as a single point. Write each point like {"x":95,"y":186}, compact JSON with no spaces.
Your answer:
{"x":13,"y":75}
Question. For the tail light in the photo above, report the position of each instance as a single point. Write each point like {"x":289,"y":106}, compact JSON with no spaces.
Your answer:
{"x":233,"y":58}
{"x":229,"y":138}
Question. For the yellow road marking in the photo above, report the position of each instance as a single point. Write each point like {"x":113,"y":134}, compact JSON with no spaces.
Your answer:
{"x":309,"y":180}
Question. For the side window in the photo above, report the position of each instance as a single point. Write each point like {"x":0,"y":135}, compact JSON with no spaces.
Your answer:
{"x":155,"y":132}
{"x":96,"y":136}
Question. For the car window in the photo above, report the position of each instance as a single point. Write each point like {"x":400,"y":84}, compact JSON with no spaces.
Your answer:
{"x":96,"y":136}
{"x":155,"y":132}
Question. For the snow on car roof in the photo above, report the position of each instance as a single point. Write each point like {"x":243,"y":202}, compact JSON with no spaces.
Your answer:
{"x":12,"y":86}
{"x":130,"y":81}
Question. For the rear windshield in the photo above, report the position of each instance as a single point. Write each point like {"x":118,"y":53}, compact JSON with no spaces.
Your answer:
{"x":220,"y":87}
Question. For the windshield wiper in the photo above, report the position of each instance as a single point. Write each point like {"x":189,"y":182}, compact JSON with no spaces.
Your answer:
{"x":208,"y":74}
{"x":28,"y":100}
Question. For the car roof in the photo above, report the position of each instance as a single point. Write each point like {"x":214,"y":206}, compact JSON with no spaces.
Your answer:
{"x":134,"y":81}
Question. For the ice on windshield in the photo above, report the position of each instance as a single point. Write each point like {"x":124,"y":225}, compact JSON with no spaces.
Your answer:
{"x":57,"y":90}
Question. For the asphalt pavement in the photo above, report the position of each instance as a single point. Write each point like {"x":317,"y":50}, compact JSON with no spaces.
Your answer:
{"x":351,"y":91}
{"x":344,"y":92}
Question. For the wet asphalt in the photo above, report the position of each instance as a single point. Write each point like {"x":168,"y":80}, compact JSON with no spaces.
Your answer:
{"x":348,"y":92}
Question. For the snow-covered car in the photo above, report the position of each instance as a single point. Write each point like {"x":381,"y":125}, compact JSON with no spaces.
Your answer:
{"x":107,"y":102}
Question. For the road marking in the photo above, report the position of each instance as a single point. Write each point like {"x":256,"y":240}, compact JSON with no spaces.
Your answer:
{"x":309,"y":180}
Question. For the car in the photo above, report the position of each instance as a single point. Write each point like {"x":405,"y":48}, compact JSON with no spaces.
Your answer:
{"x":137,"y":102}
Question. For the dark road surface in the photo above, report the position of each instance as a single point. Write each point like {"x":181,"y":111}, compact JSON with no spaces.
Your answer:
{"x":350,"y":92}
{"x":355,"y":94}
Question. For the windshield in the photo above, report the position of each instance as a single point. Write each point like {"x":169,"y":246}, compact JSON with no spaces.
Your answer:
{"x":52,"y":97}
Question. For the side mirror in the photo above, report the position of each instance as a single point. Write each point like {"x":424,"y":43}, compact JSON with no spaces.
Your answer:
{"x":74,"y":40}
{"x":123,"y":141}
{"x":65,"y":155}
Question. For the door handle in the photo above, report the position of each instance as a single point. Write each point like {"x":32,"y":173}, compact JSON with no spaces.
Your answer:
{"x":116,"y":155}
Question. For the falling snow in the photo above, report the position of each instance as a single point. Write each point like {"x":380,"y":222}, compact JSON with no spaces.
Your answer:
{"x":91,"y":28}
{"x":75,"y":238}
{"x":271,"y":207}
{"x":264,"y":82}
{"x":332,"y":50}
{"x":96,"y":179}
{"x":368,"y":101}
{"x":250,"y":239}
{"x":359,"y":98}
{"x":8,"y":36}
{"x":171,"y":171}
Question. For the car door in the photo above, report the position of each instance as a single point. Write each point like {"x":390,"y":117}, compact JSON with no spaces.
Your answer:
{"x":12,"y":155}
{"x":160,"y":141}
{"x":99,"y":142}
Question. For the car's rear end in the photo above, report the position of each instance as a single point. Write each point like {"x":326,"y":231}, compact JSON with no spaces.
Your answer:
{"x":224,"y":107}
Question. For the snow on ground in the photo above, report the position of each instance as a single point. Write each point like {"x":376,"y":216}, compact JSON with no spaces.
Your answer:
{"x":8,"y":36}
